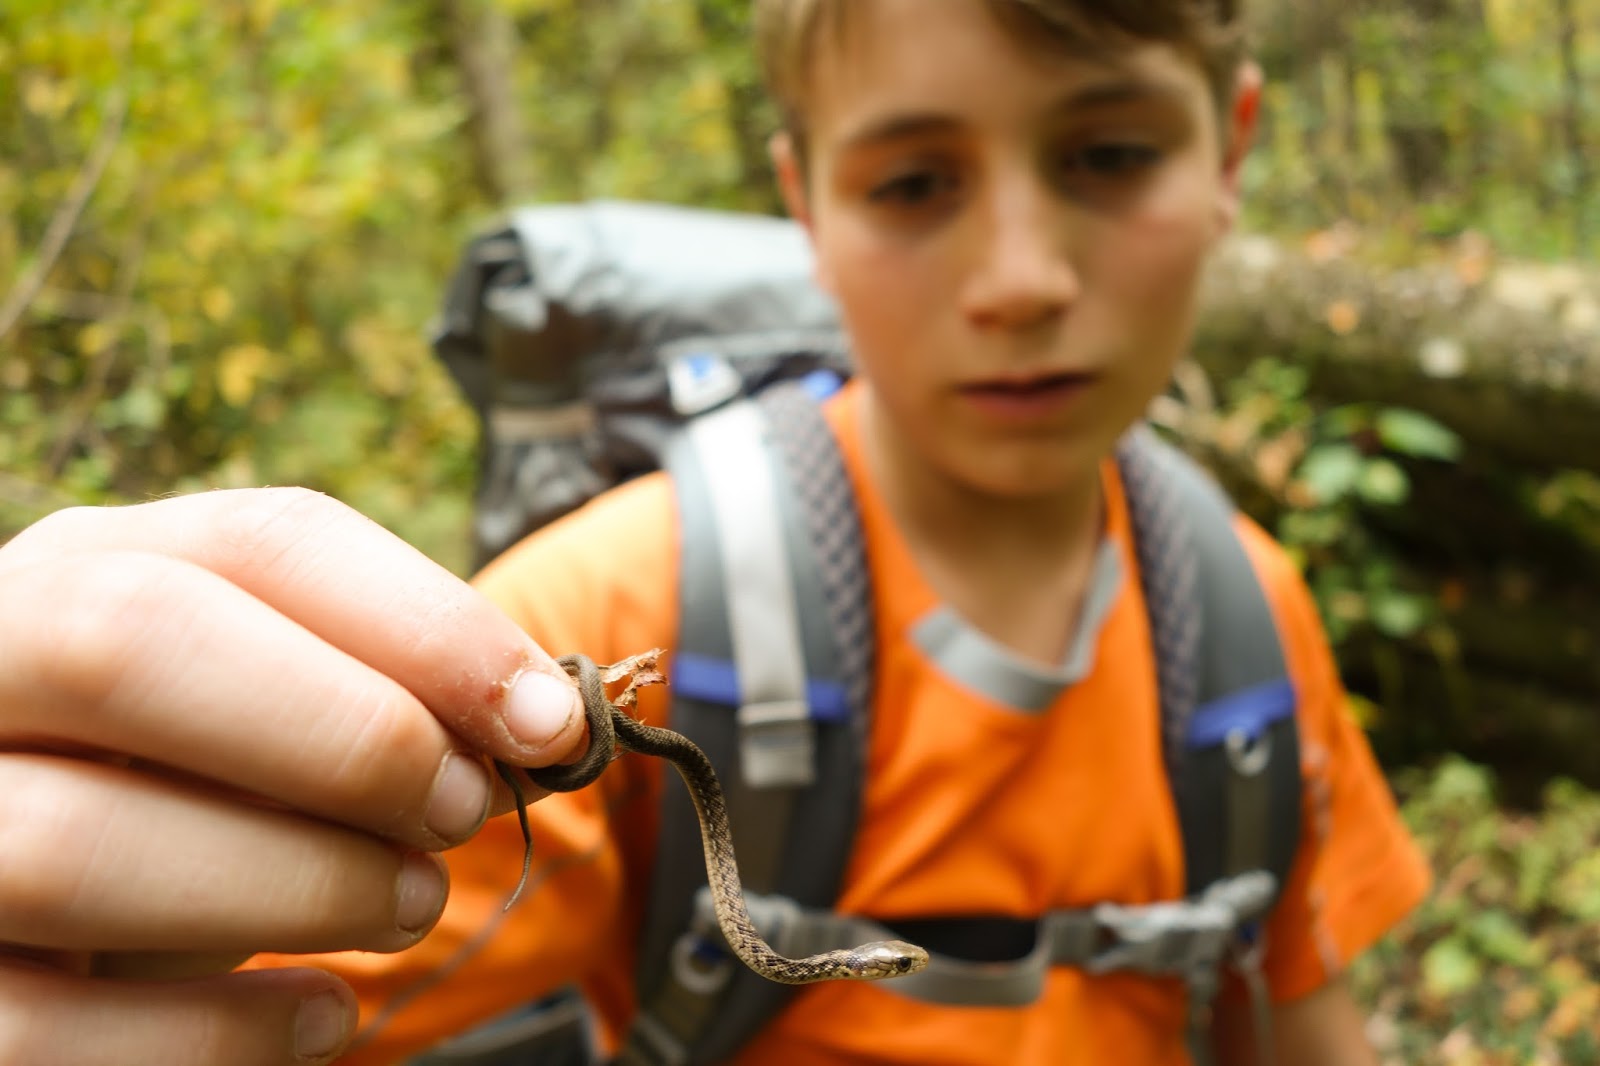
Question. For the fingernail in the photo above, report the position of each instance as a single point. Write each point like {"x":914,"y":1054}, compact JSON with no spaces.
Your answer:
{"x":541,"y":708}
{"x":322,"y":1025}
{"x":419,"y":893}
{"x":460,"y":800}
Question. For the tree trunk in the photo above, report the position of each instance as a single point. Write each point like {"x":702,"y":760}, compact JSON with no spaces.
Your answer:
{"x":1517,"y":380}
{"x":1572,"y":124}
{"x":481,"y":40}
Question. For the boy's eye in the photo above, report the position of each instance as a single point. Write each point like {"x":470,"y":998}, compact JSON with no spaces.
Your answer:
{"x":1112,"y":159}
{"x":912,"y":188}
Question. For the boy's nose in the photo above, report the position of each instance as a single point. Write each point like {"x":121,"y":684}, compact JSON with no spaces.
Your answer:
{"x":1023,"y":273}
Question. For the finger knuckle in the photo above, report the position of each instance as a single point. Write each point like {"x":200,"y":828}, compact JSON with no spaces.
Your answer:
{"x":103,"y":610}
{"x":44,"y":835}
{"x":21,"y":1035}
{"x":391,"y":745}
{"x":57,"y":528}
{"x":260,"y":525}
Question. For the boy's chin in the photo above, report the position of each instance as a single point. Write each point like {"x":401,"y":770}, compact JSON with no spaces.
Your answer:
{"x":1002,"y":475}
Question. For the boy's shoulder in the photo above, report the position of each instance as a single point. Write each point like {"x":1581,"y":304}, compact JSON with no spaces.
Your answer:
{"x":637,"y":516}
{"x":610,"y":565}
{"x":1293,"y":606}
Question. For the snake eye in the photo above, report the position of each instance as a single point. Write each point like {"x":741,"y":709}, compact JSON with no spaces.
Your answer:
{"x":903,"y":964}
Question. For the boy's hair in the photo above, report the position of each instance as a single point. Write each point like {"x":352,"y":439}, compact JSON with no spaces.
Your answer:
{"x":1209,"y":31}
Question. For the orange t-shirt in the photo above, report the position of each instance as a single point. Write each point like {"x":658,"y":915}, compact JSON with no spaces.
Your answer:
{"x":971,"y":806}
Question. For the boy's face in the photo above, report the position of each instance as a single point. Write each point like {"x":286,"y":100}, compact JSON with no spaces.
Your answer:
{"x":1014,"y":237}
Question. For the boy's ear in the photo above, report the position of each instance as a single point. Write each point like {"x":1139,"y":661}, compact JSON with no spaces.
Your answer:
{"x":792,"y":184}
{"x":1239,"y":136}
{"x":791,"y":181}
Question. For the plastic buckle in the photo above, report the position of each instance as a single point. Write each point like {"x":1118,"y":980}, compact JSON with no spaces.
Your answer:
{"x":778,"y":920}
{"x":701,"y":965}
{"x":1244,"y":895}
{"x":777,"y":744}
{"x":1182,"y":938}
{"x":1246,"y":754}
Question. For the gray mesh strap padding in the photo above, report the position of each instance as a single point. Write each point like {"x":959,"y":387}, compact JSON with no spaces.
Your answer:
{"x":824,"y":501}
{"x":1169,"y":572}
{"x":695,"y":1009}
{"x":1214,"y":635}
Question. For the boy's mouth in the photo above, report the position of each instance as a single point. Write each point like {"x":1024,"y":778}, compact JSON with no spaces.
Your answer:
{"x":1036,"y":396}
{"x":1030,"y":386}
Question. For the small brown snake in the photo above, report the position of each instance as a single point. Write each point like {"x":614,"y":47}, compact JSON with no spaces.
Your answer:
{"x":611,"y":728}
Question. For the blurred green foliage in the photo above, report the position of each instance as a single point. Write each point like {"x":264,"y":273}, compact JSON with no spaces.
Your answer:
{"x":1347,"y":463}
{"x":241,"y":294}
{"x":1444,"y":117}
{"x":1501,"y":966}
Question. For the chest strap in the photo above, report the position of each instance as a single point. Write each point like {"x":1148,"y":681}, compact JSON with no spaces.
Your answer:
{"x":1177,"y":938}
{"x":1185,"y":939}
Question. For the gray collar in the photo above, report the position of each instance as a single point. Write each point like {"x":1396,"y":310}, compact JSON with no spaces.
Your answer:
{"x":969,"y":657}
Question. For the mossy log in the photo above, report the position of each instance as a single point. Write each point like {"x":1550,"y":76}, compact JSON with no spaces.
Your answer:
{"x":1509,"y":357}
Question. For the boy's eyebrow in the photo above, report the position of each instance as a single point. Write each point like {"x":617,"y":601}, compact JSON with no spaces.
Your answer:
{"x":905,"y":124}
{"x":1121,"y":91}
{"x":898,"y":126}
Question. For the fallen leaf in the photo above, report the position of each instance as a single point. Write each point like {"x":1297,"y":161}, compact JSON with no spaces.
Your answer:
{"x":1343,"y":316}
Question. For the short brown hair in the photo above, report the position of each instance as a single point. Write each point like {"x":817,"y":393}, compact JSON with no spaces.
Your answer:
{"x":1211,"y":31}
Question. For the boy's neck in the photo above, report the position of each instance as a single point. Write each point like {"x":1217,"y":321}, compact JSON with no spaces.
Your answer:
{"x":1017,"y":568}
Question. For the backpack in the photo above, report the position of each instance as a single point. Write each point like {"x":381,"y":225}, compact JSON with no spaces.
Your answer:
{"x":601,"y":341}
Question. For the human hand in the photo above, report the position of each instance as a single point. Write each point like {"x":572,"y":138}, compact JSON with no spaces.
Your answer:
{"x":229,"y":723}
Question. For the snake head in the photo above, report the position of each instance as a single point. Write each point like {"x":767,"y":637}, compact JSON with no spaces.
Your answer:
{"x":888,"y":958}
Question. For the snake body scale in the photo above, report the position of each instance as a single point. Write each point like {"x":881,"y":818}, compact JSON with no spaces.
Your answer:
{"x":611,"y":728}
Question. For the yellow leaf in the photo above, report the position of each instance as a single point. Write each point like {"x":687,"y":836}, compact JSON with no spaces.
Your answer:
{"x":1576,"y":1008}
{"x":388,"y":353}
{"x":217,"y":303}
{"x":1364,"y":711}
{"x":96,"y":337}
{"x":47,"y":97}
{"x":239,"y":372}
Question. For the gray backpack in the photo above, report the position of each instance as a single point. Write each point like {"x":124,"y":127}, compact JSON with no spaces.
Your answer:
{"x":601,"y":341}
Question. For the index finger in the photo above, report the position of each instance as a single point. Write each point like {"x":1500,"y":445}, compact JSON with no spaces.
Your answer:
{"x":359,"y":588}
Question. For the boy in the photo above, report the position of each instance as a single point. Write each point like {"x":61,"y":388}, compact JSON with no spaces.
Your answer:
{"x":1011,"y":203}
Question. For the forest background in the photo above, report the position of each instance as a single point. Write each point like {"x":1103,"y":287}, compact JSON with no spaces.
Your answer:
{"x":225,"y":226}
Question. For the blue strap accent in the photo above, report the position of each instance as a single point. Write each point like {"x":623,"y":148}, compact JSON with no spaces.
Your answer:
{"x":822,"y":383}
{"x":701,"y":677}
{"x":1250,"y":711}
{"x":701,"y":364}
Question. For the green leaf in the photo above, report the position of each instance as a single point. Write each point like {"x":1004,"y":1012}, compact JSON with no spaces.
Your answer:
{"x":1347,"y":420}
{"x":1331,"y":471}
{"x":1449,"y":968}
{"x":1397,"y":614}
{"x":1578,"y":890}
{"x":1499,"y":937}
{"x":143,"y":408}
{"x":1383,"y":482}
{"x":1412,"y":433}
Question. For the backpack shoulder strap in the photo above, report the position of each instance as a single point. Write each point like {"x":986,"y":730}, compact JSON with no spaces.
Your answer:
{"x":1227,"y":703}
{"x":771,"y":677}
